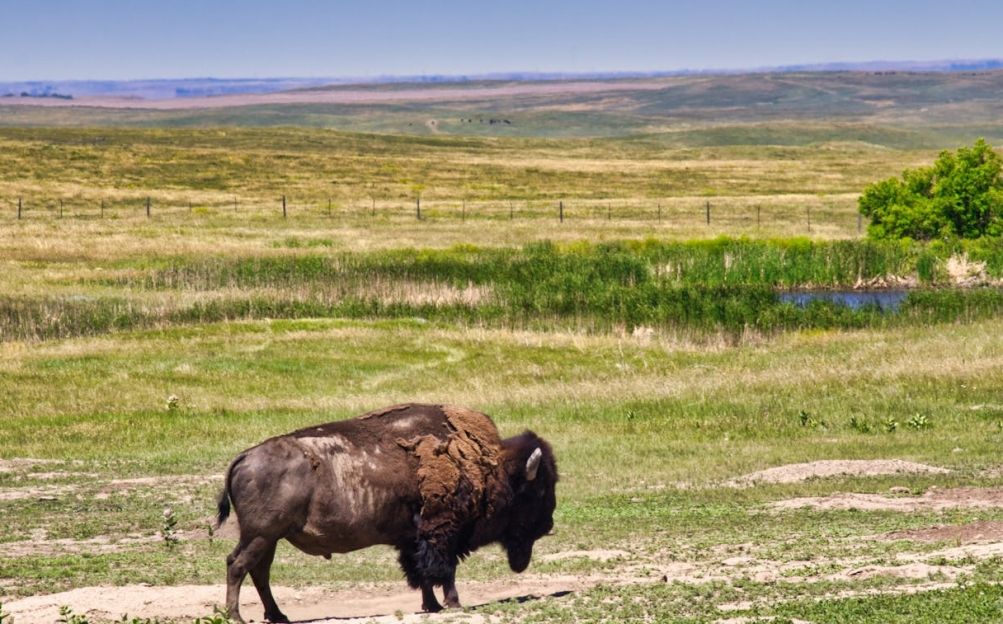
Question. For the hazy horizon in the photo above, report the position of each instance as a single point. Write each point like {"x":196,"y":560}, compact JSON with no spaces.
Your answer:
{"x":115,"y":40}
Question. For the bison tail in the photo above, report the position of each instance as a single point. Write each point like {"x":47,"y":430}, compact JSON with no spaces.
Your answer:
{"x":223,"y":501}
{"x":222,"y":507}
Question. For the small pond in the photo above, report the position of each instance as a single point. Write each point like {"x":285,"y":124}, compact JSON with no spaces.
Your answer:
{"x":885,"y":300}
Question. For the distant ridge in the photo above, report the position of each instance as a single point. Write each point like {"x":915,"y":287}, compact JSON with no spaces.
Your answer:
{"x":156,"y":89}
{"x":918,"y":66}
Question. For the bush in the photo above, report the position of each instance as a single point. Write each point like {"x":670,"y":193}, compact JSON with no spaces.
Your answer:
{"x":960,"y":195}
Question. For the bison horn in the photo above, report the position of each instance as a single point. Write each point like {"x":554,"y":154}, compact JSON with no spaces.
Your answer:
{"x":533,"y":464}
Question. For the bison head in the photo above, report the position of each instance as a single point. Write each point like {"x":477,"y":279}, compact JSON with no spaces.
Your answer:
{"x":533,"y":482}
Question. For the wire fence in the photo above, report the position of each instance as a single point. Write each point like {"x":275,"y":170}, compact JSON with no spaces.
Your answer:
{"x":799,"y":213}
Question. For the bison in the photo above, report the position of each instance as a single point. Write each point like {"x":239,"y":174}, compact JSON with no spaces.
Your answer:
{"x":436,"y":482}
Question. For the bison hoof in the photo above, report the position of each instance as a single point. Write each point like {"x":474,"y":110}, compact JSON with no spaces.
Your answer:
{"x":277,"y":618}
{"x":435,"y":607}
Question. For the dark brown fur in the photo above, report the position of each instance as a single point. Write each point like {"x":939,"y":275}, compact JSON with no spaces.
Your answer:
{"x":434,"y":481}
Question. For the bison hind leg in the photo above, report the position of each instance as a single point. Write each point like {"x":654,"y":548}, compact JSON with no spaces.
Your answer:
{"x":261,"y":575}
{"x":254,"y":557}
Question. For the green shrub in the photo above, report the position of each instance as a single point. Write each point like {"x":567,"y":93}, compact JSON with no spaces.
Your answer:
{"x":960,"y":195}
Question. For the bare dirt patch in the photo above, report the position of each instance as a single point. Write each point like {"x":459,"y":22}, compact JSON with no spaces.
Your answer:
{"x":52,"y":492}
{"x":977,"y":532}
{"x":934,"y":499}
{"x":794,"y":473}
{"x":23,"y":464}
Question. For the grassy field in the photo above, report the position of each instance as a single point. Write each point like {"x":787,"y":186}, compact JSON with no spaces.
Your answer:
{"x":648,"y":430}
{"x":257,"y":324}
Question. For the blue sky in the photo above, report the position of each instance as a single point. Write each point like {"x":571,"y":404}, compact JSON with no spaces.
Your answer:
{"x":122,"y":39}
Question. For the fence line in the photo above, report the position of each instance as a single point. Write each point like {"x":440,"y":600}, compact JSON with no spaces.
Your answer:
{"x":670,"y":211}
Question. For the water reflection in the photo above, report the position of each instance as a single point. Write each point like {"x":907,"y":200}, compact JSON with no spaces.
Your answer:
{"x":885,"y":300}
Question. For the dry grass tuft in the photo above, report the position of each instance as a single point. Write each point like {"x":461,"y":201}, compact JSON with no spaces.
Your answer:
{"x":962,"y":270}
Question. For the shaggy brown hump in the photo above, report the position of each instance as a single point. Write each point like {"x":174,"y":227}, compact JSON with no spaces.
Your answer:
{"x":457,"y":476}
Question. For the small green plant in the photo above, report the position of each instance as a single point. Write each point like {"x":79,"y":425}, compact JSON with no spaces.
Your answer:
{"x":5,"y":617}
{"x":172,"y":403}
{"x":859,"y":425}
{"x":809,"y":421}
{"x":169,"y":528}
{"x":891,"y":425}
{"x":67,"y":616}
{"x":219,"y":616}
{"x":918,"y":422}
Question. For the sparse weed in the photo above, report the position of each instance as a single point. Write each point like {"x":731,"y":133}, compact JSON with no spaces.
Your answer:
{"x":219,"y":616}
{"x":168,"y":529}
{"x":67,"y":616}
{"x":860,"y":425}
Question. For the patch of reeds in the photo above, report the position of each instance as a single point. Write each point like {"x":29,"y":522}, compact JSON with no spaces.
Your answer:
{"x":47,"y":318}
{"x":725,"y":285}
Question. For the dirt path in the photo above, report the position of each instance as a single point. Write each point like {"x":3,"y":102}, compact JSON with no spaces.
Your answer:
{"x":386,"y":602}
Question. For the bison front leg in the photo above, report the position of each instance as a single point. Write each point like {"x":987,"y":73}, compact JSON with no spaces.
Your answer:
{"x":418,"y":578}
{"x":429,"y":603}
{"x":254,"y":557}
{"x":450,"y":595}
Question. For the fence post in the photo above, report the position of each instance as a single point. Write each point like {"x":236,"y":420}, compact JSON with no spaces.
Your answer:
{"x":417,"y":203}
{"x":708,"y":213}
{"x":463,"y":214}
{"x":758,"y":211}
{"x":60,"y":209}
{"x":511,"y":211}
{"x":659,"y":212}
{"x":561,"y":212}
{"x":374,"y":207}
{"x":234,"y":205}
{"x":102,"y":209}
{"x":328,"y":207}
{"x":808,"y":211}
{"x":283,"y":206}
{"x":18,"y":208}
{"x":147,"y":206}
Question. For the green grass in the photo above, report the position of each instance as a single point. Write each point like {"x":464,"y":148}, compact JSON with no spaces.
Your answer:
{"x":701,"y":604}
{"x":104,"y":398}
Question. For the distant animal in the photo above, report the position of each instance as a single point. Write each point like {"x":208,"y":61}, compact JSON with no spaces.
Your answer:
{"x":436,"y":482}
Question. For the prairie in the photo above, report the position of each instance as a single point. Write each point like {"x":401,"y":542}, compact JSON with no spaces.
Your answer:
{"x":723,"y":457}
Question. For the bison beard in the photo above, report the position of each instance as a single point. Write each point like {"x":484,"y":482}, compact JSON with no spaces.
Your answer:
{"x":434,"y":481}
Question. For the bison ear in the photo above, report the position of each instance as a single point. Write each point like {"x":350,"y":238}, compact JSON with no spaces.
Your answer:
{"x":533,"y":464}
